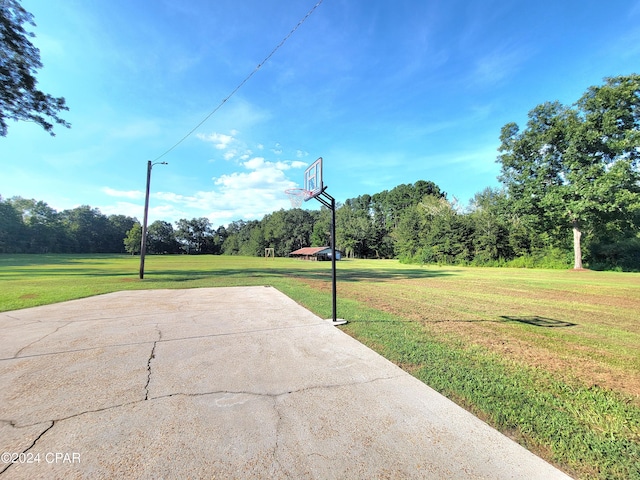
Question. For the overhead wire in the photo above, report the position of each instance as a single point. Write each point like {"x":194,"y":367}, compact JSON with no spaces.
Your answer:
{"x":246,"y":79}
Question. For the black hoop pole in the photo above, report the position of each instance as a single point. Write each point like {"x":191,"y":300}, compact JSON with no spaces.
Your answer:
{"x":329,"y":202}
{"x":334,"y":293}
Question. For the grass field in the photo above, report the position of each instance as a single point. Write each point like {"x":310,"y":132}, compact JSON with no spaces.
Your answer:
{"x":550,"y":358}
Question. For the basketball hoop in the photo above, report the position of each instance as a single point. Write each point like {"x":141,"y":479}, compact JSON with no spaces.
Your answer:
{"x":297,"y":196}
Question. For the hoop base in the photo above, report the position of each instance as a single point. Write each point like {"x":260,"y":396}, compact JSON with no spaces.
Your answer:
{"x":338,"y":321}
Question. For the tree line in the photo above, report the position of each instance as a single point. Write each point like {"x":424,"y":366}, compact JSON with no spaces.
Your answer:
{"x":414,"y":223}
{"x":32,"y":226}
{"x":570,"y":192}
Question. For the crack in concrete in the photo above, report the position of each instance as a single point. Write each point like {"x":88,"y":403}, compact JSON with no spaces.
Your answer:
{"x":40,"y":339}
{"x":274,"y":396}
{"x":79,"y":414}
{"x":32,"y":444}
{"x":76,"y":350}
{"x":194,"y":337}
{"x":276,"y":447}
{"x":151,"y":357}
{"x":339,"y":385}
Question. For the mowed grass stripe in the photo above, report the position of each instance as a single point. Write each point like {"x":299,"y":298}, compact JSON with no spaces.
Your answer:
{"x":603,"y":356}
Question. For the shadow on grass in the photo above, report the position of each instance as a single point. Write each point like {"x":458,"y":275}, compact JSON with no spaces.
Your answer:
{"x":539,"y":321}
{"x":389,"y":274}
{"x":531,"y":320}
{"x":40,"y":266}
{"x":86,"y":271}
{"x":342,"y":275}
{"x":37,"y":259}
{"x":419,"y":322}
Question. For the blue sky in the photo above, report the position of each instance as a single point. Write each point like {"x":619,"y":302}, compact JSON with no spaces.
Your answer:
{"x":387,"y":92}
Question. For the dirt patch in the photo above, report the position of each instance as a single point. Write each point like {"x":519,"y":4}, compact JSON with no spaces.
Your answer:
{"x":410,"y":368}
{"x":28,"y":296}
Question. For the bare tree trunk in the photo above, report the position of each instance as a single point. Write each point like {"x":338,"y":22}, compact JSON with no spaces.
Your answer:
{"x":577,"y":250}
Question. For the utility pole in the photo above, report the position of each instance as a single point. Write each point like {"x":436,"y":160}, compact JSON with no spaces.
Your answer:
{"x":143,"y":243}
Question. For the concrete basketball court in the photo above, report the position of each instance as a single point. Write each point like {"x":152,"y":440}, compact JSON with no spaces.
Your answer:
{"x":224,"y":383}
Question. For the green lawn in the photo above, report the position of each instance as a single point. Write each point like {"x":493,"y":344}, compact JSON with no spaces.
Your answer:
{"x":548,"y":357}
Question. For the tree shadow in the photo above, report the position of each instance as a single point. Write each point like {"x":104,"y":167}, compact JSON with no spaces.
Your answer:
{"x":539,"y":321}
{"x":381,"y":274}
{"x":346,"y":275}
{"x":423,"y":322}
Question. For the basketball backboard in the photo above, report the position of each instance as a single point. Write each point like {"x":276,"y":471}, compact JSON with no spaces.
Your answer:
{"x":313,"y":179}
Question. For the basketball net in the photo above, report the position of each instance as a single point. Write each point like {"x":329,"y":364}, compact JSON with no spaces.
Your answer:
{"x":297,"y":196}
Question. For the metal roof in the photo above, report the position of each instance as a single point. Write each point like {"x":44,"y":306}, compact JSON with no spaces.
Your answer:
{"x":309,"y":250}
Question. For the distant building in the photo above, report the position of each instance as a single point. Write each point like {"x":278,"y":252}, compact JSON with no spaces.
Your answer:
{"x":315,"y":253}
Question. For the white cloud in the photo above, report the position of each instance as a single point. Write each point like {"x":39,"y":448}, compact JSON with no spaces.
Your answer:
{"x":247,"y":194}
{"x":133,"y":194}
{"x":220,"y":140}
{"x":254,"y":163}
{"x":259,"y":163}
{"x":233,"y":147}
{"x":499,"y":65}
{"x":174,"y":197}
{"x":165,"y":212}
{"x":123,"y":208}
{"x":277,"y":149}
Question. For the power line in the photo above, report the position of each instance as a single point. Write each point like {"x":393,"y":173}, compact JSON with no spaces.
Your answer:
{"x":246,"y":79}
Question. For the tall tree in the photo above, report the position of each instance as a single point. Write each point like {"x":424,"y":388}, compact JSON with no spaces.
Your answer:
{"x":117,"y":229}
{"x":321,"y":234}
{"x":274,"y":231}
{"x":393,"y":202}
{"x":577,"y":167}
{"x":408,"y":232}
{"x":194,"y":234}
{"x":299,"y":228}
{"x":11,"y":227}
{"x":133,"y":240}
{"x":87,"y":229}
{"x":161,"y":238}
{"x":354,"y":228}
{"x":43,"y":231}
{"x":219,"y":237}
{"x":232,"y":243}
{"x":254,"y":245}
{"x":19,"y":64}
{"x":490,"y":226}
